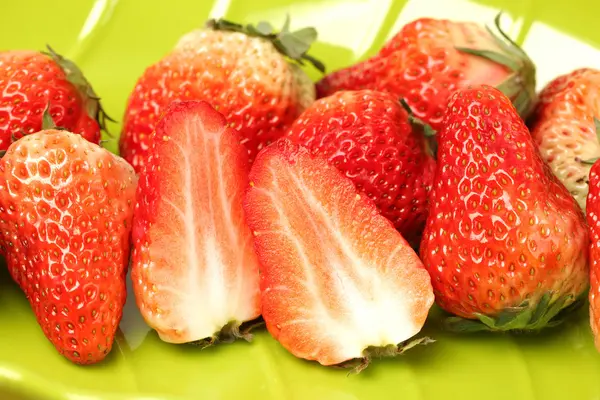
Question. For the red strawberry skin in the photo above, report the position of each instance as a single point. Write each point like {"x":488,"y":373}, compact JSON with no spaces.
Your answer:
{"x":245,"y":78}
{"x":194,"y":269}
{"x":367,"y":135}
{"x":502,"y":231}
{"x":336,"y":277}
{"x":422,"y":64}
{"x":563,"y":127}
{"x":593,"y":214}
{"x":66,"y":207}
{"x":30,"y":81}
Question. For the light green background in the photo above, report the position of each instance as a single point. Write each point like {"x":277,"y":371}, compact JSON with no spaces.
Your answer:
{"x":113,"y":41}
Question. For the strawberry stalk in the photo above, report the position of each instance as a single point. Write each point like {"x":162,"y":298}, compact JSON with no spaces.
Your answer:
{"x":524,"y":318}
{"x":91,"y":100}
{"x":230,"y":333}
{"x":294,"y":45}
{"x":358,"y":365}
{"x":519,"y":87}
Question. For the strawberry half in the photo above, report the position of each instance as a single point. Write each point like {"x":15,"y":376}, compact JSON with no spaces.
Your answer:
{"x":338,"y":282}
{"x":195,"y":274}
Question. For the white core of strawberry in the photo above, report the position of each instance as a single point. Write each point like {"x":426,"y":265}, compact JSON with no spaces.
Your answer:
{"x":203,"y":267}
{"x":380,"y":317}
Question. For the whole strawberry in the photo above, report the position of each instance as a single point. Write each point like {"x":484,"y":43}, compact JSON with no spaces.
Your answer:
{"x":31,"y":82}
{"x":66,"y":207}
{"x":249,"y":74}
{"x":564,"y":127}
{"x":593,"y":219}
{"x":368,"y":136}
{"x":430,"y":58}
{"x":505,"y":243}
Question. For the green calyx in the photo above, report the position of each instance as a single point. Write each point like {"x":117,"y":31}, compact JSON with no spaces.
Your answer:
{"x":358,"y":365}
{"x":428,"y":132}
{"x":520,"y":85}
{"x":230,"y":333}
{"x":294,"y":45}
{"x":48,"y":121}
{"x":524,"y":318}
{"x":74,"y":75}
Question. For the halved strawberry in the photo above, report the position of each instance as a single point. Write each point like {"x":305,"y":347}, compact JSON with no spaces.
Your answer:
{"x":338,"y":282}
{"x":195,"y":274}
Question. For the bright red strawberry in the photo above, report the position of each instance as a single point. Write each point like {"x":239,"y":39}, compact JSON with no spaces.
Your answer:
{"x":430,"y":58}
{"x":31,"y":81}
{"x":194,"y":271}
{"x":252,"y":78}
{"x":593,"y":219}
{"x":66,"y":207}
{"x":505,"y":242}
{"x":368,"y":136}
{"x":564,"y":128}
{"x":338,"y":282}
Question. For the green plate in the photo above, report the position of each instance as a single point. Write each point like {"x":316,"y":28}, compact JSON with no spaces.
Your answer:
{"x":113,"y":41}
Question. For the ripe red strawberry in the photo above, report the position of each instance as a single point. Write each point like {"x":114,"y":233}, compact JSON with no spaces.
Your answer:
{"x":31,"y":81}
{"x":249,"y":74}
{"x":368,"y":136}
{"x":66,"y":207}
{"x":593,"y":215}
{"x":430,"y":58}
{"x":505,"y":243}
{"x":565,"y":130}
{"x":338,"y":282}
{"x":194,"y":271}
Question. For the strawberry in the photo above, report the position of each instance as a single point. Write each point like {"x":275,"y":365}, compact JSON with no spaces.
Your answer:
{"x":66,"y":207}
{"x":31,"y":82}
{"x":249,"y":74}
{"x":338,"y":283}
{"x":565,"y":128}
{"x":505,"y":243}
{"x":194,"y":271}
{"x":593,"y":214}
{"x":430,"y":58}
{"x":368,"y":136}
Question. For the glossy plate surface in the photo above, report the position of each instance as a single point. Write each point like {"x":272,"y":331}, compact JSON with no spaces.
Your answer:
{"x":113,"y":41}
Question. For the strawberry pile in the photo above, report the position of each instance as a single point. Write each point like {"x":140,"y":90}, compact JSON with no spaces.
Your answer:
{"x":336,"y":212}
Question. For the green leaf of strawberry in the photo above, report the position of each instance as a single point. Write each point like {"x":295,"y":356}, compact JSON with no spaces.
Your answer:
{"x":294,"y":45}
{"x":91,"y":100}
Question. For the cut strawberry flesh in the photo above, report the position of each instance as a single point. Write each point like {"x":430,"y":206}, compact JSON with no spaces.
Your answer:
{"x":336,"y":276}
{"x":194,"y":268}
